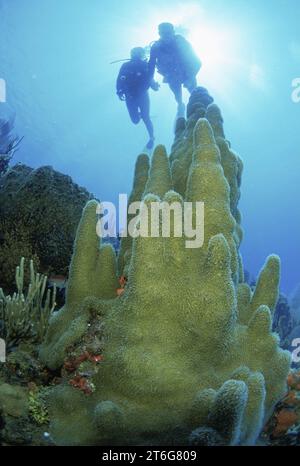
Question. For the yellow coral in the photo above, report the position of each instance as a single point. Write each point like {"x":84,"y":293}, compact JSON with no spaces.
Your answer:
{"x":189,"y":353}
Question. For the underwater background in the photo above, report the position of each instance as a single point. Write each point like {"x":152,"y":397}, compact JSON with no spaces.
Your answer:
{"x":55,"y":59}
{"x":145,"y":341}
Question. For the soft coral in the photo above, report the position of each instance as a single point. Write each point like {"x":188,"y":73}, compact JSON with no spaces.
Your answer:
{"x":82,"y":384}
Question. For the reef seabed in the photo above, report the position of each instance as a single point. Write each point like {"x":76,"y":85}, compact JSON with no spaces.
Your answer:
{"x":185,"y":354}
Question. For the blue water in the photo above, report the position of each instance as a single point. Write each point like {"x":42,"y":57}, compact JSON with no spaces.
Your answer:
{"x":55,"y":57}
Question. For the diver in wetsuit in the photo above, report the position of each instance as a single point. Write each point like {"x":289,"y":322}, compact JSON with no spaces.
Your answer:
{"x":176,"y":61}
{"x":133,"y":83}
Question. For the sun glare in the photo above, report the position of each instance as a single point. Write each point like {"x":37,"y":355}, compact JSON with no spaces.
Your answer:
{"x":216,"y":43}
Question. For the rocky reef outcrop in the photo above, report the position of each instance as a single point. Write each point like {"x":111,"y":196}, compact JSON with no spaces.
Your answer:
{"x":188,"y":353}
{"x":283,"y":322}
{"x":39,"y":213}
{"x":295,"y":303}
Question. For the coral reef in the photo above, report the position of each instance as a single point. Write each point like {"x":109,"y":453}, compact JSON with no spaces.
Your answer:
{"x":23,"y":415}
{"x":4,"y":163}
{"x":283,"y":428}
{"x":39,"y":213}
{"x":295,"y":303}
{"x":188,"y":351}
{"x":286,"y":324}
{"x":37,"y":406}
{"x":25,"y":317}
{"x":283,"y":322}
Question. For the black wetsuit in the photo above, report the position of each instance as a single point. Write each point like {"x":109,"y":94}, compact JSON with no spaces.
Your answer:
{"x":176,"y":60}
{"x":134,"y":81}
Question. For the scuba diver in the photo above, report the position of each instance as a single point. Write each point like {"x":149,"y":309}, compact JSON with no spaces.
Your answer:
{"x":176,"y":61}
{"x":133,"y":83}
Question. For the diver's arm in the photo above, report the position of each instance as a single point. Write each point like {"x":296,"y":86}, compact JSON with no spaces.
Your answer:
{"x":152,"y":61}
{"x":154,"y":85}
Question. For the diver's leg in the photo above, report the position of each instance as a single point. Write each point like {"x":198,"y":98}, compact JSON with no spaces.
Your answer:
{"x":133,"y":109}
{"x":145,"y":113}
{"x":191,"y":84}
{"x":144,"y":104}
{"x":176,"y":88}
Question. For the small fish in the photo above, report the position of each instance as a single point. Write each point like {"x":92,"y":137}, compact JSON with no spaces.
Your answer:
{"x":59,"y":281}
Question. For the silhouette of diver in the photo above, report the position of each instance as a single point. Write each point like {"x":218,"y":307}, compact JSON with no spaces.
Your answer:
{"x":176,"y":61}
{"x":133,"y":83}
